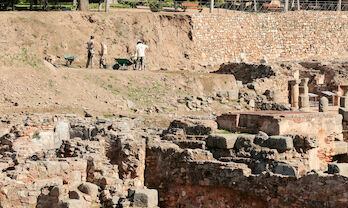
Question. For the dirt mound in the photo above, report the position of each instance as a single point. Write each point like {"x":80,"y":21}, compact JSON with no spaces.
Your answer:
{"x":28,"y":37}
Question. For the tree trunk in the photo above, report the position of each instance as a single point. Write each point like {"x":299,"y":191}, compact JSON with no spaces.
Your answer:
{"x":83,"y":5}
{"x":286,"y":7}
{"x":339,"y":5}
{"x":107,"y":5}
{"x":74,"y":3}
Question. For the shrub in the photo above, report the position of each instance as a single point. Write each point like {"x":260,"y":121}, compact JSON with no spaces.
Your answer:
{"x":155,"y":6}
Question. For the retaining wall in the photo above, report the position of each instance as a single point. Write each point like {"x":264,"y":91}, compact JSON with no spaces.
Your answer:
{"x":229,"y":36}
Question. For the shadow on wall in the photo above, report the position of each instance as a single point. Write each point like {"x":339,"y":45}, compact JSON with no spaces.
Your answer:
{"x":246,"y":73}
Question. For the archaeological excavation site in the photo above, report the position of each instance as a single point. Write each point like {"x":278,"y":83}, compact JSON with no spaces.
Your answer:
{"x":235,"y":109}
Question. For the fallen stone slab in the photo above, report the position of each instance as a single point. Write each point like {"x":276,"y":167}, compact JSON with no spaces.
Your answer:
{"x":280,"y":143}
{"x":338,"y":168}
{"x":221,"y":141}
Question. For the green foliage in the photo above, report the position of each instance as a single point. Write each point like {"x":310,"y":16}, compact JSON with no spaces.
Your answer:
{"x":130,"y":3}
{"x":120,"y":6}
{"x":225,"y":132}
{"x":24,"y":58}
{"x":156,"y":5}
{"x":109,"y":116}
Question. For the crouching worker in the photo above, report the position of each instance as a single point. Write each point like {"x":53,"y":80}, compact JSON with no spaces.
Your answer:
{"x":133,"y":59}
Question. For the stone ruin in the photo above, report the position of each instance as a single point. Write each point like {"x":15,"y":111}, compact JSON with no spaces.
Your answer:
{"x":267,"y":159}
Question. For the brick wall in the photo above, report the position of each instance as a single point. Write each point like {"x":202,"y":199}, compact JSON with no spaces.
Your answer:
{"x":224,"y":37}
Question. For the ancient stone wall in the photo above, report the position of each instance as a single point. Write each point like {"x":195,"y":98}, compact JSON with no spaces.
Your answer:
{"x":184,"y":182}
{"x":234,"y":36}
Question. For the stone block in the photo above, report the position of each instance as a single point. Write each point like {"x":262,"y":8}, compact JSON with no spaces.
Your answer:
{"x":144,"y":198}
{"x":244,"y":141}
{"x":338,"y":168}
{"x":285,"y":169}
{"x":233,"y":94}
{"x":74,"y":195}
{"x":90,"y":189}
{"x":340,"y":147}
{"x":280,"y":143}
{"x":57,"y":181}
{"x":75,"y":178}
{"x":197,"y":154}
{"x":221,"y":141}
{"x":260,"y":137}
{"x":62,"y":130}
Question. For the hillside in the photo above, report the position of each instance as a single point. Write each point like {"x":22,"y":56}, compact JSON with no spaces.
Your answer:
{"x":28,"y":37}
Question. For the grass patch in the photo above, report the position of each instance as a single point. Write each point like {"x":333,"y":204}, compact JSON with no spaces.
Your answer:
{"x":225,"y":132}
{"x":24,"y":58}
{"x":109,"y":116}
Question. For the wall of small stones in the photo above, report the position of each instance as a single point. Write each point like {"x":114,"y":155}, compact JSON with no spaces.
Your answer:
{"x":229,"y":36}
{"x":185,"y":182}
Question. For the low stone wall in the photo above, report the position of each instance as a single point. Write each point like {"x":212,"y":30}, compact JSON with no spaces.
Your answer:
{"x":229,"y":36}
{"x":209,"y":183}
{"x":322,"y":125}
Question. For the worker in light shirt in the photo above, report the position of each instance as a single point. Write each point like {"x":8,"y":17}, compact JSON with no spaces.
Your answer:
{"x":140,"y":54}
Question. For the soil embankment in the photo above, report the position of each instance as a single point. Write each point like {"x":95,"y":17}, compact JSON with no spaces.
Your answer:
{"x":28,"y":37}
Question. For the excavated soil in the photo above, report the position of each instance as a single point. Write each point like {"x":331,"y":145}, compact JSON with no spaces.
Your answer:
{"x":28,"y":37}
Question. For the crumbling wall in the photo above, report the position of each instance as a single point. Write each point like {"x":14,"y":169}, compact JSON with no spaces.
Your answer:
{"x":236,"y":36}
{"x":184,"y":182}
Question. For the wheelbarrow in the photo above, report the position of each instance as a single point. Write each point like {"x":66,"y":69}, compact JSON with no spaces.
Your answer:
{"x":69,"y":59}
{"x":122,"y":64}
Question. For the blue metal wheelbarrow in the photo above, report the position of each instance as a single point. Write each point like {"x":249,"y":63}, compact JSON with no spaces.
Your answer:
{"x":69,"y":59}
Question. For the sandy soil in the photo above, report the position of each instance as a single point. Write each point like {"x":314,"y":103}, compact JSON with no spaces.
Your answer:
{"x":67,"y":90}
{"x":27,"y":37}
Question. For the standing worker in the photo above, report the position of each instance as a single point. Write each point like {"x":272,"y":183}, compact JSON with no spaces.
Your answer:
{"x":90,"y":50}
{"x":140,"y":51}
{"x":103,"y":53}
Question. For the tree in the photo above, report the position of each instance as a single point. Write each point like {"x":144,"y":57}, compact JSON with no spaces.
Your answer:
{"x":83,"y":5}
